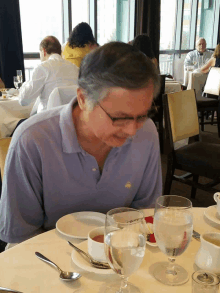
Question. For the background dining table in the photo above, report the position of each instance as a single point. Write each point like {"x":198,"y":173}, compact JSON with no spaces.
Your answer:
{"x":21,"y":270}
{"x":196,"y":80}
{"x":10,"y":113}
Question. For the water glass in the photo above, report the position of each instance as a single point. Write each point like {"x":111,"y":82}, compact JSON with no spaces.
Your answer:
{"x":204,"y":282}
{"x":124,"y":246}
{"x":173,"y":226}
{"x":19,"y":75}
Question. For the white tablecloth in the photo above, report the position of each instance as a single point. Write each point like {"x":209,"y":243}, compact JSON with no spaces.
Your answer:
{"x":10,"y":113}
{"x":22,"y":270}
{"x":196,"y":80}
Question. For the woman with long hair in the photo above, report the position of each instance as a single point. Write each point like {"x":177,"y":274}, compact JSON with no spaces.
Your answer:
{"x":80,"y":43}
{"x":214,"y":61}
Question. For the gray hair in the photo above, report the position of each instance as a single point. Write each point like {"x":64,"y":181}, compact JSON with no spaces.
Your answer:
{"x":199,"y":39}
{"x":115,"y":64}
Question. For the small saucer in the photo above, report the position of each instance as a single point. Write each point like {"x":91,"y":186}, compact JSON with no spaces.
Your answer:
{"x":212,"y":215}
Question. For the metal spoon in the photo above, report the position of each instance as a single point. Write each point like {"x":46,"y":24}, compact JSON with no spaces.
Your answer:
{"x":97,"y":264}
{"x":65,"y":276}
{"x":8,"y":290}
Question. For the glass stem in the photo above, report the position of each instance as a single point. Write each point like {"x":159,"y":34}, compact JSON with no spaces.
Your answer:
{"x":124,"y":284}
{"x":170,"y":269}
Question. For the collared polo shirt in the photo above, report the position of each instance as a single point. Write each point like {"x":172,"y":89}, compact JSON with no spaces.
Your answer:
{"x":49,"y":175}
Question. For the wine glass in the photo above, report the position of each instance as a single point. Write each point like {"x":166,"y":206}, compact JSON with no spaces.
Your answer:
{"x":124,"y":246}
{"x":19,"y":75}
{"x":17,"y":82}
{"x":173,"y":227}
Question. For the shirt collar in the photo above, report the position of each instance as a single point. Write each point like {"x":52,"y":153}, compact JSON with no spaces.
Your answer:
{"x":55,"y":56}
{"x":70,"y":143}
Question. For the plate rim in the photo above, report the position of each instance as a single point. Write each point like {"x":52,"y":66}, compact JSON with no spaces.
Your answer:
{"x":72,"y":236}
{"x":215,"y":220}
{"x":90,"y":268}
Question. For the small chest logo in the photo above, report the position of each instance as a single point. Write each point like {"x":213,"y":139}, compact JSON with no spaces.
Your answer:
{"x":128,"y":185}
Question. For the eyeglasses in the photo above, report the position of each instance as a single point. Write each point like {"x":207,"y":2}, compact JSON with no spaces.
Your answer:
{"x":123,"y":121}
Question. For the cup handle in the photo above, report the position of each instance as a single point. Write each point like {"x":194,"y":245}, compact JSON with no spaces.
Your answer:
{"x":215,"y":196}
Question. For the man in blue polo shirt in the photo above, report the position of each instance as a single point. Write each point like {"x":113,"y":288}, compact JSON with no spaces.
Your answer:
{"x":98,"y":152}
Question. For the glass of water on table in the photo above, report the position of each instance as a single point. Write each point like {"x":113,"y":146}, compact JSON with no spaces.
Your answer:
{"x":19,"y":75}
{"x":17,"y":82}
{"x":173,"y":227}
{"x":124,"y":246}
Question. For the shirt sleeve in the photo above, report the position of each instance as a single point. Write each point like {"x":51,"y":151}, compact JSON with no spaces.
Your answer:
{"x":188,"y":60}
{"x":151,"y":184}
{"x":31,"y":89}
{"x":21,"y":205}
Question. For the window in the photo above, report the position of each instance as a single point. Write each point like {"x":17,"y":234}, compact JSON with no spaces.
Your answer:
{"x":38,"y":20}
{"x":80,"y":11}
{"x":182,"y":23}
{"x":185,"y":42}
{"x":167,"y":24}
{"x":106,"y":21}
{"x":115,"y":20}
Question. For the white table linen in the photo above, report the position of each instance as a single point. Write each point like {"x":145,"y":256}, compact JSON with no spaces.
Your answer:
{"x":22,"y":270}
{"x":10,"y":113}
{"x":61,"y":95}
{"x":196,"y":80}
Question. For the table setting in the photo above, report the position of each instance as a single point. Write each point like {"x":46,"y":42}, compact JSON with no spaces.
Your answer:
{"x":131,"y":250}
{"x":11,"y":112}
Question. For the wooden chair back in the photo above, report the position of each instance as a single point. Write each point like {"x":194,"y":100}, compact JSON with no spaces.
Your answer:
{"x":181,"y":116}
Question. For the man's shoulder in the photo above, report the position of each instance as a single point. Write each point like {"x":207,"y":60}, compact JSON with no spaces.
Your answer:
{"x":36,"y":125}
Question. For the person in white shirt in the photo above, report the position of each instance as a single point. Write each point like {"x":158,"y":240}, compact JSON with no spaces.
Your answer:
{"x":197,"y":58}
{"x":53,"y":72}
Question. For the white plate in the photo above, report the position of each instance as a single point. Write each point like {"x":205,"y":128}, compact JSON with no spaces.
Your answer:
{"x":211,"y":214}
{"x":78,"y":225}
{"x":83,"y":264}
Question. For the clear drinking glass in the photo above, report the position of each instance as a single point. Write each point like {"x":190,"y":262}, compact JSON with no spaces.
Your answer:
{"x":17,"y":82}
{"x":19,"y":75}
{"x":173,"y":227}
{"x":124,"y":246}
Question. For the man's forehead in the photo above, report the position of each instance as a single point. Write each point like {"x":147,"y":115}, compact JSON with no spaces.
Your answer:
{"x":200,"y":42}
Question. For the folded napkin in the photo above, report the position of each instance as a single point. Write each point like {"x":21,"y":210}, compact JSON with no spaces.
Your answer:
{"x":151,"y":237}
{"x":12,"y":92}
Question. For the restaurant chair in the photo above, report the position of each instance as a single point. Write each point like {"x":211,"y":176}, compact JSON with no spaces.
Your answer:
{"x":61,"y":95}
{"x":197,"y":158}
{"x":4,"y":145}
{"x":209,"y":102}
{"x":156,"y":112}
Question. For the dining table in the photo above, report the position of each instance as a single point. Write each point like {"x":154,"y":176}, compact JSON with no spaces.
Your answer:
{"x":196,"y":81}
{"x":21,"y":270}
{"x":10,"y":113}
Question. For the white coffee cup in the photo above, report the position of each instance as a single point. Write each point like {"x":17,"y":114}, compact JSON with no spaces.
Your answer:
{"x":95,"y":248}
{"x":217,"y":200}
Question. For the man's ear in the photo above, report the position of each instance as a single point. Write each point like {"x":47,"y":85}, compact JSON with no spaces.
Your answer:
{"x":81,"y":99}
{"x":45,"y":52}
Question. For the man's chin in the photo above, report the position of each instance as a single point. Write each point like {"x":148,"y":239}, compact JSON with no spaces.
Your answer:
{"x":118,"y":141}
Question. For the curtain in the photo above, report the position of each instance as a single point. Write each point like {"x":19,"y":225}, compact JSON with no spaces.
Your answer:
{"x":11,"y":50}
{"x":147,"y":21}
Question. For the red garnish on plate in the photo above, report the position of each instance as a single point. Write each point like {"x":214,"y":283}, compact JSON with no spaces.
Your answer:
{"x":151,"y":237}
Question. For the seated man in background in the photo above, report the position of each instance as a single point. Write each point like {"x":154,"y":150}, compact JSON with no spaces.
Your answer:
{"x":53,"y":72}
{"x":99,"y":152}
{"x":197,"y":58}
